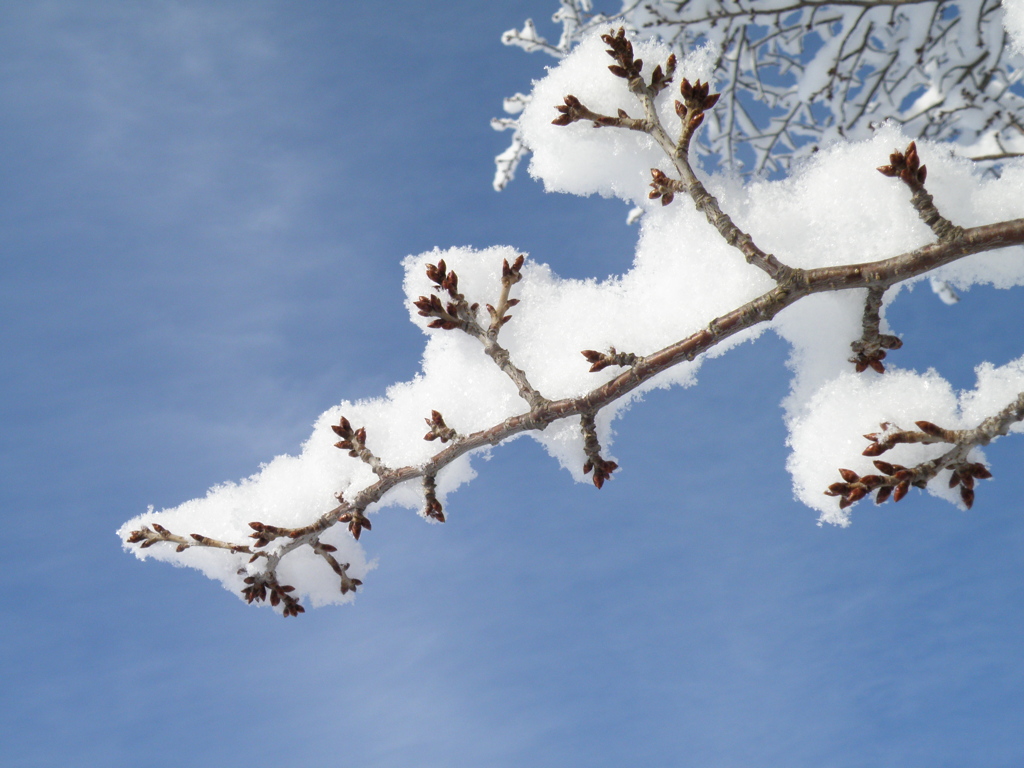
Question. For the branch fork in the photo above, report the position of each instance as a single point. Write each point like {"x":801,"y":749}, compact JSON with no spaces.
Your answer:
{"x":459,"y":314}
{"x":696,"y":99}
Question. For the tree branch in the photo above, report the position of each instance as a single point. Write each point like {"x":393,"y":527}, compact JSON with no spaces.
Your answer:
{"x":792,"y":285}
{"x":799,"y":284}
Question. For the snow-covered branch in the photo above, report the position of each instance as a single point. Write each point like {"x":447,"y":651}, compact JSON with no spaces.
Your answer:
{"x":895,"y":480}
{"x":700,"y":285}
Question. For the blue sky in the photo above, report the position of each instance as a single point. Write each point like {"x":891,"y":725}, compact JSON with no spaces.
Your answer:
{"x":203,"y":212}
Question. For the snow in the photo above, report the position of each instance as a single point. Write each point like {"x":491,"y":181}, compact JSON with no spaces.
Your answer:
{"x":1013,"y":20}
{"x":835,"y":209}
{"x":814,"y":68}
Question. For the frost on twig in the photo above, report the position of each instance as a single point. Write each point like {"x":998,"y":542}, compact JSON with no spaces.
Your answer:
{"x":507,"y":163}
{"x":838,"y":70}
{"x":576,"y":18}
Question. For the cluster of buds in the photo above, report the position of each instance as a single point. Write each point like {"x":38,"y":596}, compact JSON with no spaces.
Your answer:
{"x":432,"y":509}
{"x":662,"y":186}
{"x":438,"y":429}
{"x":895,"y":481}
{"x":348,"y":584}
{"x":602,"y":468}
{"x":264,"y":534}
{"x":696,"y":100}
{"x":510,"y":275}
{"x":143,"y":535}
{"x":964,"y":474}
{"x":907,"y":166}
{"x":601,"y":360}
{"x":621,"y":50}
{"x":146,"y":537}
{"x":630,"y":69}
{"x":573,"y":110}
{"x":257,"y":590}
{"x":451,"y":314}
{"x":871,"y":355}
{"x":352,"y":440}
{"x":886,"y":439}
{"x":356,"y":522}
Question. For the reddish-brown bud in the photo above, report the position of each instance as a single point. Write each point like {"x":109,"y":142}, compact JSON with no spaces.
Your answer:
{"x":901,"y":490}
{"x":838,"y":489}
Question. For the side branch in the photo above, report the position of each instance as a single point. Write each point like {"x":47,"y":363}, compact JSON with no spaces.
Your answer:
{"x":696,"y":99}
{"x":869,"y":349}
{"x":457,"y":313}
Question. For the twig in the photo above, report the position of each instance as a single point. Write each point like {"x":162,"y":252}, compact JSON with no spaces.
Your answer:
{"x":869,"y":349}
{"x":896,"y":480}
{"x":459,"y":314}
{"x":601,"y":467}
{"x":696,"y":101}
{"x":907,"y":166}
